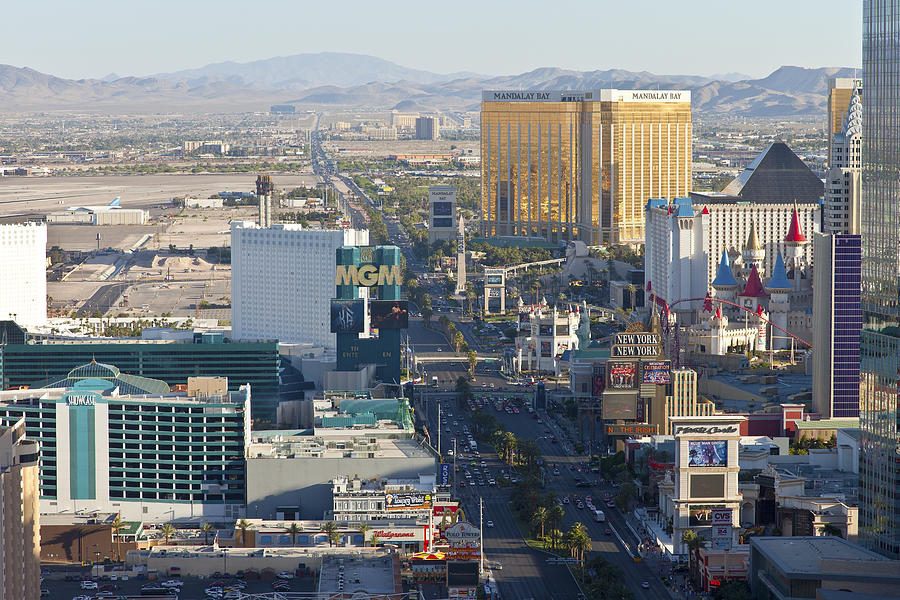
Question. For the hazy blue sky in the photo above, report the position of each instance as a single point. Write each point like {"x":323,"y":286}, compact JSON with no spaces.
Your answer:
{"x":94,"y":37}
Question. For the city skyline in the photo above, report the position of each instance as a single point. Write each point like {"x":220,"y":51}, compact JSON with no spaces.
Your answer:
{"x":178,"y":44}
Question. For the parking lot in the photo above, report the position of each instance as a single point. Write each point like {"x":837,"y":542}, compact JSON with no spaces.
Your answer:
{"x":194,"y":588}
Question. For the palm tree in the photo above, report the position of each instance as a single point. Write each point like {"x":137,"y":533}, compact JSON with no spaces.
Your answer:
{"x":539,"y":519}
{"x":244,"y":525}
{"x":555,"y":515}
{"x":168,"y":530}
{"x":693,"y":542}
{"x":831,"y":529}
{"x":117,"y":525}
{"x":555,"y":536}
{"x":510,"y":444}
{"x":331,"y":530}
{"x":363,"y":529}
{"x":374,"y":540}
{"x":206,"y":528}
{"x":580,"y":542}
{"x":294,"y":529}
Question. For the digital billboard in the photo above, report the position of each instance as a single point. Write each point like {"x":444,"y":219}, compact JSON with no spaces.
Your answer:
{"x":545,"y":330}
{"x":389,"y":314}
{"x":443,"y":209}
{"x":621,"y":375}
{"x":546,"y":349}
{"x":618,"y":405}
{"x":702,"y":453}
{"x":524,"y":320}
{"x":407,"y":500}
{"x":562,"y":330}
{"x":348,"y":316}
{"x":445,"y":222}
{"x":657,"y":371}
{"x":493,"y":280}
{"x":707,"y":486}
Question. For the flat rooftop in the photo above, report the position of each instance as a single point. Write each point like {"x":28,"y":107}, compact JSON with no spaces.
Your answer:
{"x":799,"y":556}
{"x":356,"y":574}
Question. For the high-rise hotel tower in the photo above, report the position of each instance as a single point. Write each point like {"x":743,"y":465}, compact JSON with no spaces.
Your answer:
{"x":581,"y":165}
{"x":879,"y":469}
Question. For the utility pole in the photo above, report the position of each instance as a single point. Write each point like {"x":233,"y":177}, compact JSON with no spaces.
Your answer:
{"x":454,"y":461}
{"x":481,"y":535}
{"x":439,"y":428}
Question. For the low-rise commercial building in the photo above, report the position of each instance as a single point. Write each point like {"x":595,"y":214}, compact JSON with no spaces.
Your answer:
{"x":797,"y":567}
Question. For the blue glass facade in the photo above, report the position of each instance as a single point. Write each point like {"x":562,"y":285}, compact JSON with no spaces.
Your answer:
{"x":879,"y":468}
{"x":847,"y":259}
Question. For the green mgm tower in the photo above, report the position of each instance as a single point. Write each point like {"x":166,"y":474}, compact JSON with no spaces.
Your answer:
{"x":379,"y":269}
{"x":879,"y":469}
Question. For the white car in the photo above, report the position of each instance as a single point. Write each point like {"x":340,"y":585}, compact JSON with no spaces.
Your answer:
{"x":490,"y":523}
{"x":89,"y":585}
{"x":172,"y":583}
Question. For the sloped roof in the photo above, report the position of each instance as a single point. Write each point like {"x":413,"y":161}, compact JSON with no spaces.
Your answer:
{"x":795,"y":231}
{"x":724,"y":276}
{"x":754,"y":287}
{"x":779,"y":279}
{"x":752,"y":242}
{"x":777,"y":176}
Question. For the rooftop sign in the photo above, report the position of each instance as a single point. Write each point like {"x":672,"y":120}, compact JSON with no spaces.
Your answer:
{"x":608,"y":95}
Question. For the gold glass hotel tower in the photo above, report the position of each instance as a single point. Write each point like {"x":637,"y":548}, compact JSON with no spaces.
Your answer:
{"x":581,"y":165}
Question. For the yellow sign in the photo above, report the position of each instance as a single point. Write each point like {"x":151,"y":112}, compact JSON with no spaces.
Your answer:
{"x":368,"y":275}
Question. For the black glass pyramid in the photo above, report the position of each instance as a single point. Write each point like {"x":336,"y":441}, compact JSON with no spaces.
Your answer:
{"x":777,"y":176}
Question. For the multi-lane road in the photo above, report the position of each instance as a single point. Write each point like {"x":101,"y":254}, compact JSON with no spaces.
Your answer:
{"x":525,"y":572}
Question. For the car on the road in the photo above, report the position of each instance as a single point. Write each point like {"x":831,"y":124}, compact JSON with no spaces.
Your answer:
{"x":565,"y":499}
{"x":607,"y":531}
{"x":490,"y":523}
{"x":580,"y":505}
{"x":645,"y":585}
{"x":89,"y":585}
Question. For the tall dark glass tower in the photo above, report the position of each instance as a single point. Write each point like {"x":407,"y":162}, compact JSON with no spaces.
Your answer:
{"x":880,"y":221}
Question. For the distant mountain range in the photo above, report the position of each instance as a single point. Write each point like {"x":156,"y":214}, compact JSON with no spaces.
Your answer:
{"x":352,"y":80}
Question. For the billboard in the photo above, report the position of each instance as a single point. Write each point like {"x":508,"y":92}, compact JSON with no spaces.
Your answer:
{"x":621,"y":375}
{"x":562,"y":330}
{"x":444,"y":476}
{"x":407,"y":500}
{"x":443,"y":209}
{"x":389,"y":314}
{"x":702,"y":453}
{"x":546,"y":349}
{"x":493,"y":280}
{"x":618,"y":405}
{"x":656,"y":371}
{"x":524,"y":320}
{"x":442,"y":222}
{"x":545,"y":330}
{"x":348,"y":316}
{"x":637,"y":430}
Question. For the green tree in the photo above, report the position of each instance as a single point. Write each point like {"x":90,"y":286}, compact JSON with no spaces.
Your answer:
{"x":831,"y":529}
{"x":168,"y":530}
{"x":331,"y":530}
{"x":206,"y":528}
{"x":539,"y":519}
{"x":244,"y":525}
{"x":293,"y":530}
{"x":693,"y":542}
{"x":374,"y":540}
{"x":473,"y":361}
{"x":733,"y":590}
{"x":363,"y":529}
{"x":116,"y":526}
